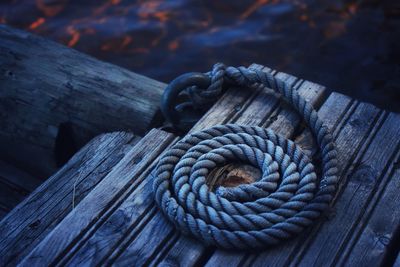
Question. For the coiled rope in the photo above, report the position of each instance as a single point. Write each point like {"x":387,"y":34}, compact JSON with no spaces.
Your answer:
{"x":288,"y":197}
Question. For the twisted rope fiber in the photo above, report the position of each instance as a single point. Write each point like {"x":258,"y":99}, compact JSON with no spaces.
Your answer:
{"x":288,"y":197}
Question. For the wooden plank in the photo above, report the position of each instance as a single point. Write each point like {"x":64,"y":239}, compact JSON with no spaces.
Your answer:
{"x":32,"y":219}
{"x":376,"y":235}
{"x":123,"y":226}
{"x":348,"y":148}
{"x":140,"y":250}
{"x":176,"y":253}
{"x":358,"y":189}
{"x":335,"y":111}
{"x":377,"y":239}
{"x":263,"y":105}
{"x":101,"y":201}
{"x":231,"y":103}
{"x":285,"y":120}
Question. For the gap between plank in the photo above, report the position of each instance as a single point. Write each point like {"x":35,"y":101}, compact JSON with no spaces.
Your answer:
{"x":347,"y":171}
{"x":313,"y":232}
{"x":113,"y":205}
{"x":373,"y":200}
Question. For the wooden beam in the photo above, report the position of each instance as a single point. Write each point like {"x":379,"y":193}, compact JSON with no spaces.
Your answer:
{"x":55,"y":98}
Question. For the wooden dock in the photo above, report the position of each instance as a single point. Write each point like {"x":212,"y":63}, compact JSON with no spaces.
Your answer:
{"x":99,"y":208}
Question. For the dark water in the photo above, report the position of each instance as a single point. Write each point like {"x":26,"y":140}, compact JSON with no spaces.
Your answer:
{"x":350,"y":46}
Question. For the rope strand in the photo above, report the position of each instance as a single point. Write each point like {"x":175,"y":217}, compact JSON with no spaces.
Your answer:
{"x":288,"y":197}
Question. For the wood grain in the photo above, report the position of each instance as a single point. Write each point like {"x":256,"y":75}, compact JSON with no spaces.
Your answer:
{"x":52,"y":94}
{"x":358,"y":187}
{"x":347,"y":149}
{"x":100,"y":200}
{"x":377,"y":238}
{"x":29,"y":222}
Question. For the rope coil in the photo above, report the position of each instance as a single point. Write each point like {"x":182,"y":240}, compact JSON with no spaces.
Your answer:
{"x":287,"y":198}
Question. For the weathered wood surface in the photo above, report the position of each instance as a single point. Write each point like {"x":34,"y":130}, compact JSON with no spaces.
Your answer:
{"x":26,"y":225}
{"x":118,"y":222}
{"x":53,"y":99}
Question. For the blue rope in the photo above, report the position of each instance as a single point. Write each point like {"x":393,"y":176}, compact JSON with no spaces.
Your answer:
{"x":288,"y":197}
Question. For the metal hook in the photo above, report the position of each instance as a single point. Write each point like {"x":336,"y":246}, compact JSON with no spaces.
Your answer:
{"x":170,"y":96}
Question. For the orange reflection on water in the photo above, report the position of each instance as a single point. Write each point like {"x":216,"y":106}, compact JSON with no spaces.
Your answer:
{"x":37,"y":23}
{"x":159,"y":22}
{"x":126,"y":41}
{"x":151,"y":10}
{"x":173,"y":45}
{"x":75,"y":36}
{"x":250,"y":10}
{"x":51,"y":8}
